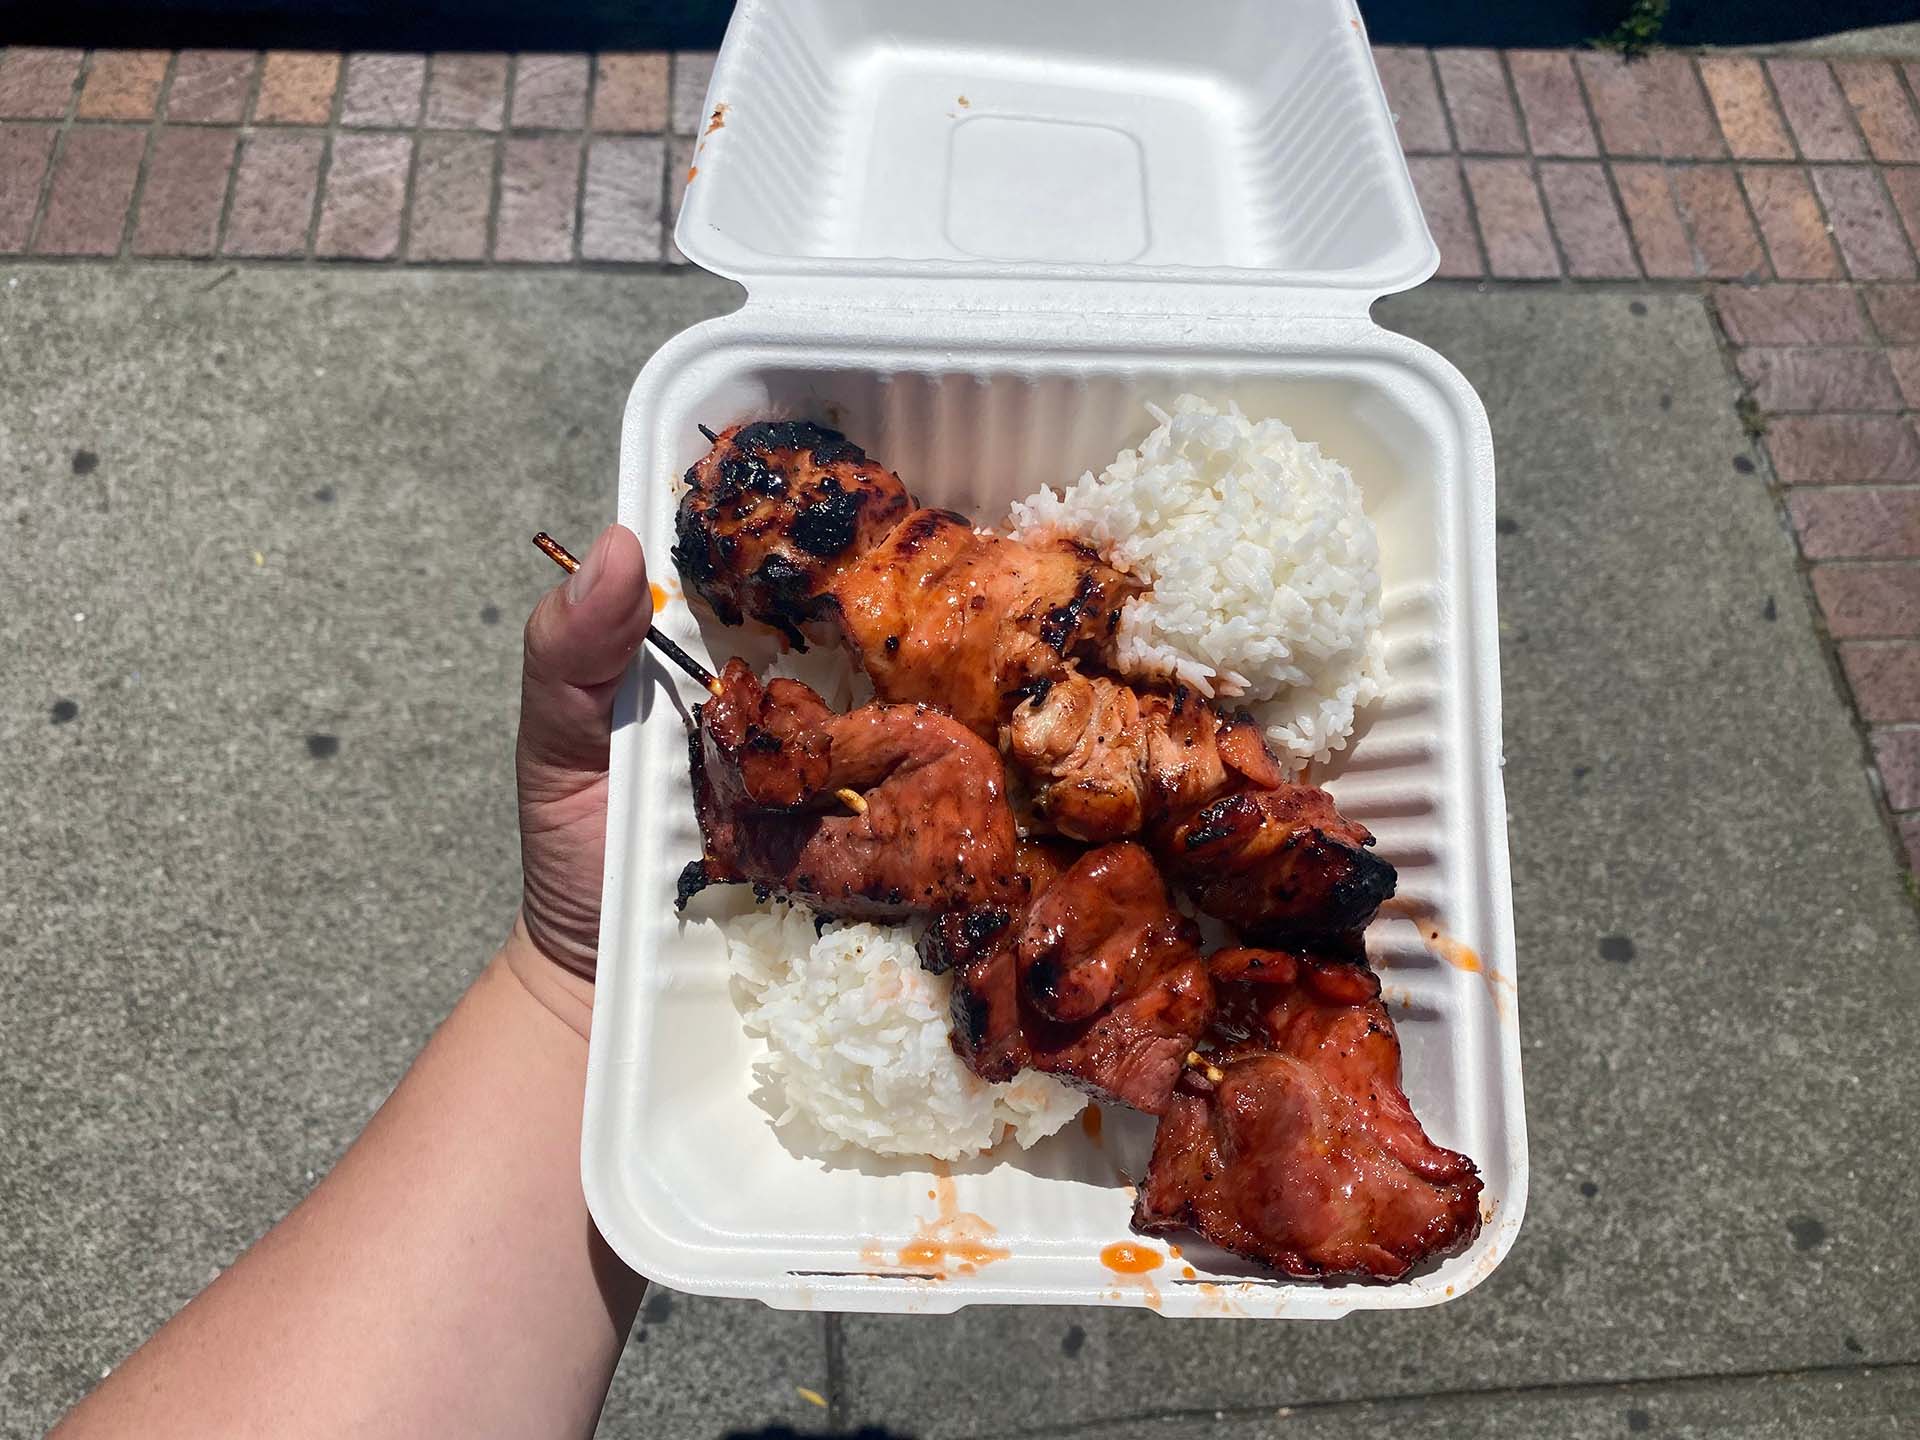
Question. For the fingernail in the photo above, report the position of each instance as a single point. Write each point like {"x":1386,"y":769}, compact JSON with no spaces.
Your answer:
{"x":584,"y":578}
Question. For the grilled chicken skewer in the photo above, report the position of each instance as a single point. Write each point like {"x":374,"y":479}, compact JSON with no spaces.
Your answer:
{"x":787,"y":522}
{"x":564,"y":558}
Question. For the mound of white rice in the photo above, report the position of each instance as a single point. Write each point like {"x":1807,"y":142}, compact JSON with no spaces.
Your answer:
{"x":857,"y":1045}
{"x":1264,"y":568}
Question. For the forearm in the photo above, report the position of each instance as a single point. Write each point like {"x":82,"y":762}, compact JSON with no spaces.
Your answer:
{"x":445,"y":1278}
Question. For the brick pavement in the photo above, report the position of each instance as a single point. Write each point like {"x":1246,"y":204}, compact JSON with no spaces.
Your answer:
{"x":1787,"y":187}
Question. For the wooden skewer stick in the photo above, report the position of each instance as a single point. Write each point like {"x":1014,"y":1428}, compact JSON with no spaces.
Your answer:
{"x":563,"y":557}
{"x":1205,"y":1066}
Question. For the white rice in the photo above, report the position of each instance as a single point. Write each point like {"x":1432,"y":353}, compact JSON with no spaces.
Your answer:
{"x":1264,"y":568}
{"x":857,"y":1043}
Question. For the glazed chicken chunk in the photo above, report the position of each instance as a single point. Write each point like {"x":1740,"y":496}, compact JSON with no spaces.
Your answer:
{"x":768,"y":763}
{"x":943,"y":613}
{"x":1305,"y":1155}
{"x":1099,"y":981}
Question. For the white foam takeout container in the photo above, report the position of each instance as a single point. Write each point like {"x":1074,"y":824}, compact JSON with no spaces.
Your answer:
{"x":978,"y":238}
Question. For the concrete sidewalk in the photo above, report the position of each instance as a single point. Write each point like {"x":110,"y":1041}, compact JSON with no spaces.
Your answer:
{"x":265,"y":561}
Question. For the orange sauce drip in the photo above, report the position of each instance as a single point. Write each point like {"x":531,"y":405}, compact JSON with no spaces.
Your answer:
{"x":1187,"y":1272}
{"x":1091,"y":1121}
{"x":1174,"y":1251}
{"x":719,"y":120}
{"x":953,"y":1242}
{"x":660,"y":597}
{"x":692,"y":171}
{"x":1453,"y":952}
{"x":1125,"y":1259}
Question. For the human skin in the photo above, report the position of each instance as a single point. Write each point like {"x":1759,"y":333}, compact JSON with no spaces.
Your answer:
{"x":445,"y":1277}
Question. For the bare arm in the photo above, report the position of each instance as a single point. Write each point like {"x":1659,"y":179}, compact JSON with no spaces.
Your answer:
{"x":445,"y":1278}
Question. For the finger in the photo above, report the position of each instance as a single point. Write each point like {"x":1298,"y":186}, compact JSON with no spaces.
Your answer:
{"x":580,"y":639}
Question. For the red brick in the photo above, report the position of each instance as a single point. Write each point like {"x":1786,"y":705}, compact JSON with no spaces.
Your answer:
{"x":1716,"y":215}
{"x":273,"y":195}
{"x":366,"y":190}
{"x":383,"y":90}
{"x":1880,"y":105}
{"x":296,"y":88}
{"x":185,"y":190}
{"x":1475,"y":85}
{"x":630,"y":94}
{"x":1443,"y":196}
{"x":1821,"y":119}
{"x":1614,"y":88}
{"x":123,"y":85}
{"x":1904,"y":185}
{"x":1658,"y":233}
{"x":1591,"y":230}
{"x":1741,"y":98}
{"x":1849,"y":523}
{"x":692,"y":69}
{"x":1790,"y":315}
{"x":1827,"y":449}
{"x":24,"y":151}
{"x":1551,"y":103}
{"x":1519,"y":244}
{"x":1869,"y":602}
{"x":1905,"y":361}
{"x":1790,"y":219}
{"x":210,"y":86}
{"x":467,"y":92}
{"x":1895,"y":310}
{"x":1898,"y":754}
{"x":452,"y":193}
{"x":539,"y":183}
{"x":1863,"y":222}
{"x":626,"y":191}
{"x":549,"y":92}
{"x":680,"y":175}
{"x":36,"y":83}
{"x":1885,"y":677}
{"x":1679,"y":107}
{"x":1802,"y":378}
{"x":92,"y":183}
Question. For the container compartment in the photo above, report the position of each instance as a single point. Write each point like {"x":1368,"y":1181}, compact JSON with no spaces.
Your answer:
{"x":1212,"y":140}
{"x":687,"y":1177}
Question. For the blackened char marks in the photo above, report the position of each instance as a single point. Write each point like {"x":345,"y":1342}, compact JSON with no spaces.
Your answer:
{"x":921,"y":527}
{"x":828,"y":526}
{"x":693,"y":879}
{"x":764,"y":437}
{"x":1063,"y":621}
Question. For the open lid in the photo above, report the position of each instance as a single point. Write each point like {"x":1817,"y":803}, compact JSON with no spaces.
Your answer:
{"x":1223,"y":152}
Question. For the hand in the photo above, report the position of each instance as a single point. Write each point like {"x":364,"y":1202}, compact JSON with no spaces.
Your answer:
{"x":579,"y":641}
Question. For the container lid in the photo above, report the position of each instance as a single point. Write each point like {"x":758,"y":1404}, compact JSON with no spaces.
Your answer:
{"x":1220,"y":152}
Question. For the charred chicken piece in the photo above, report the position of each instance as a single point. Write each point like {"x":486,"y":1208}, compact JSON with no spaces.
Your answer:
{"x":941,"y":613}
{"x":1276,"y":864}
{"x":995,"y":632}
{"x":1100,"y":982}
{"x":767,"y":763}
{"x":772,"y":512}
{"x":1105,"y":759}
{"x":1305,"y":1156}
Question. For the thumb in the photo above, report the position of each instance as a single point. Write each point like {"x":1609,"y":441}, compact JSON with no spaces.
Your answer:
{"x":579,"y":641}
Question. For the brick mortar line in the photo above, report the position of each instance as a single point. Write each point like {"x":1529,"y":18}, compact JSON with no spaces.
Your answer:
{"x":131,"y":220}
{"x":1532,"y":158}
{"x":336,"y":106}
{"x":58,"y":149}
{"x":497,"y":179}
{"x":580,"y":170}
{"x":242,"y":134}
{"x":404,"y":239}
